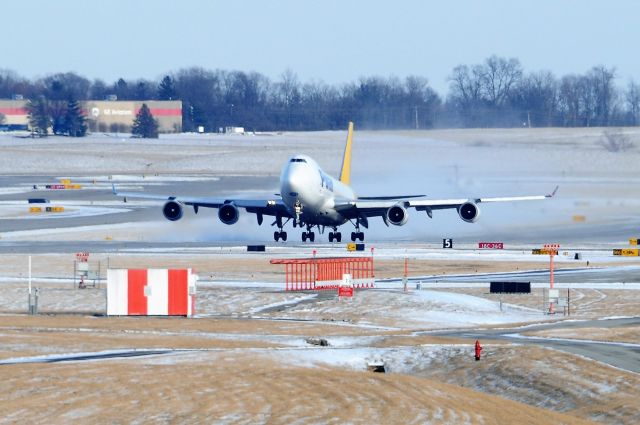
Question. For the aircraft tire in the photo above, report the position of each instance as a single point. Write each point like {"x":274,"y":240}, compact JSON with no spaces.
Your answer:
{"x":304,"y":236}
{"x":283,"y":235}
{"x":276,"y":236}
{"x":330,"y":236}
{"x":338,"y":236}
{"x":312,"y":236}
{"x":353,"y":236}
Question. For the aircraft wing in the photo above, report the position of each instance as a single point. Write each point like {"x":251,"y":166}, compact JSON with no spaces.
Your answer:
{"x":378,"y":207}
{"x":257,"y":206}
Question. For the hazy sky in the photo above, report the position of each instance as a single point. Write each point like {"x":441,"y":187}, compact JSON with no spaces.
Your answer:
{"x":335,"y":41}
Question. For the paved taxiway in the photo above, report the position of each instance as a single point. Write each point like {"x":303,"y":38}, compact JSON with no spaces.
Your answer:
{"x":620,"y":355}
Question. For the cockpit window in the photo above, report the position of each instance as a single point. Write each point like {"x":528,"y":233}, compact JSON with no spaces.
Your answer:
{"x":298,"y":160}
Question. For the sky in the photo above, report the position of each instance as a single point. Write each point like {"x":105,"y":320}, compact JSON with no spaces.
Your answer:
{"x":334,"y":41}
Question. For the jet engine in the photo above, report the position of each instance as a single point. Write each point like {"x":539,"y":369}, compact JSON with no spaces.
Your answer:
{"x":172,"y":211}
{"x":228,"y":213}
{"x":469,"y":212}
{"x":397,"y":215}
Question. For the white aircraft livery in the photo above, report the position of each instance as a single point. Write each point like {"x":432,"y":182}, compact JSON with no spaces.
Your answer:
{"x":311,"y":198}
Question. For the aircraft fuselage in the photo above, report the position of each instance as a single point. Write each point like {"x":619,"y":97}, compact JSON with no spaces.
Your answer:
{"x":304,"y":184}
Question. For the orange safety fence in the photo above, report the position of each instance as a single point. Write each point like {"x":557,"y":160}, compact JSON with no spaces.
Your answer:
{"x":304,"y":274}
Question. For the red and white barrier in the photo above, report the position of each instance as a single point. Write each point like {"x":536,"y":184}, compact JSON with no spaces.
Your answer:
{"x":151,"y":292}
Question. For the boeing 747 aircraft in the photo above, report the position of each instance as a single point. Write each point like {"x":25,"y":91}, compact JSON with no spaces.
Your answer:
{"x":311,"y":198}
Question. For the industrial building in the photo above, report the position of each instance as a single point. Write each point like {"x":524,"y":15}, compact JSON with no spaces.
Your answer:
{"x":104,"y":116}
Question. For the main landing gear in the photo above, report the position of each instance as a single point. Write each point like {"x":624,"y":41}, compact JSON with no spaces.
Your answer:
{"x":308,"y":235}
{"x":337,"y":236}
{"x":357,"y":235}
{"x":280,"y":235}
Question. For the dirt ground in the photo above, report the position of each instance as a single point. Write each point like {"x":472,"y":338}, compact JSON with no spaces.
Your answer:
{"x":231,"y":379}
{"x":257,"y":390}
{"x":233,"y":365}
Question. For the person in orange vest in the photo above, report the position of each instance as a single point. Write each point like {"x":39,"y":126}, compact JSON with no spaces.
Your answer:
{"x":478,"y":349}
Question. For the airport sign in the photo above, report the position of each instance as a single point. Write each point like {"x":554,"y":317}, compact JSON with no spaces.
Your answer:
{"x":490,"y":245}
{"x":635,"y":252}
{"x":547,"y":249}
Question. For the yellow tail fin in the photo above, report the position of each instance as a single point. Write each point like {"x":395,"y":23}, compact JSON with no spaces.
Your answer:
{"x":345,"y":172}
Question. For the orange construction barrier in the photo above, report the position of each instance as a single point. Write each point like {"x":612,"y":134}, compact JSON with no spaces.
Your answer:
{"x":316,"y":274}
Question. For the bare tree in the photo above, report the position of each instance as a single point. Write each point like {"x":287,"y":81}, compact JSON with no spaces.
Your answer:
{"x":65,"y":86}
{"x":499,"y":76}
{"x":632,"y":97}
{"x":536,"y":96}
{"x":569,"y":100}
{"x":602,"y":90}
{"x":466,"y":93}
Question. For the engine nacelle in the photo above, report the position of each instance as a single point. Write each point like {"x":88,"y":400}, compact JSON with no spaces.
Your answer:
{"x":228,"y":213}
{"x":172,"y":211}
{"x":469,"y":212}
{"x":397,"y":215}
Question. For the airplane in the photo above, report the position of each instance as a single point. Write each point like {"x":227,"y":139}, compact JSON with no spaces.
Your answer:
{"x":311,"y":198}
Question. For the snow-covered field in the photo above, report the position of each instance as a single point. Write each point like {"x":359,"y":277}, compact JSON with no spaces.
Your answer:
{"x":244,"y":358}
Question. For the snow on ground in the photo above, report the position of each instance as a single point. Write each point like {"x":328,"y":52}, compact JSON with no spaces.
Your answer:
{"x":71,"y":210}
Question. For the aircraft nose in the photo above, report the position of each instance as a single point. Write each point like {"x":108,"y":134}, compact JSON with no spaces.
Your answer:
{"x":295,"y":179}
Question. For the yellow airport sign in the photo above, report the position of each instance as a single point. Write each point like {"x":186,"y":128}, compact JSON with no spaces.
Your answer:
{"x":35,"y":209}
{"x":351,"y":247}
{"x":627,"y":252}
{"x":579,"y":218}
{"x":544,"y":251}
{"x":634,"y":241}
{"x":54,"y":209}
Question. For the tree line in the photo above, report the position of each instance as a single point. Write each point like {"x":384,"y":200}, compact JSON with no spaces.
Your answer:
{"x":495,"y":93}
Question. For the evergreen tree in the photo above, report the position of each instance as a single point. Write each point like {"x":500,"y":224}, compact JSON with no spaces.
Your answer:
{"x":39,"y":117}
{"x":166,"y":89}
{"x":145,"y":125}
{"x":74,"y":121}
{"x":57,"y":110}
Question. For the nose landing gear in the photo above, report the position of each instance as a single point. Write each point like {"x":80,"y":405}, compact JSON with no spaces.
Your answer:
{"x":308,"y":234}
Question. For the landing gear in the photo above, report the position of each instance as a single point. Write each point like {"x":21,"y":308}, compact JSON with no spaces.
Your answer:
{"x":280,"y":235}
{"x":337,"y":236}
{"x":309,"y":234}
{"x":358,"y":235}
